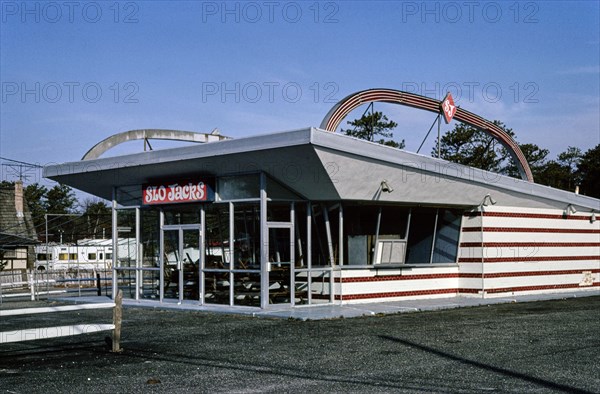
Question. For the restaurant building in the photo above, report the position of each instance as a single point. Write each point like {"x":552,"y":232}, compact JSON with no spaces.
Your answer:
{"x":309,"y":217}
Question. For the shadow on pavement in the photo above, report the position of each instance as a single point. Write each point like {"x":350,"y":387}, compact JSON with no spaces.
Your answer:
{"x":487,"y":367}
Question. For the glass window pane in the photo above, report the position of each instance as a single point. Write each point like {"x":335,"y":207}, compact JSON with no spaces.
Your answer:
{"x":182,"y":214}
{"x":360,"y":225}
{"x":247,"y":289}
{"x":279,"y":245}
{"x":126,"y":247}
{"x":420,"y":236}
{"x":301,"y":240}
{"x":239,"y":187}
{"x":216,"y":226}
{"x":446,"y":237}
{"x":150,"y":227}
{"x":126,"y":281}
{"x":247,"y":236}
{"x":129,"y":195}
{"x":320,"y":286}
{"x":278,"y":212}
{"x":216,"y":288}
{"x":150,"y":284}
{"x":394,"y":222}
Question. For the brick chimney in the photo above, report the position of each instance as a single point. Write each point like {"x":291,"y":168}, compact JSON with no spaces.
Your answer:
{"x":19,"y":198}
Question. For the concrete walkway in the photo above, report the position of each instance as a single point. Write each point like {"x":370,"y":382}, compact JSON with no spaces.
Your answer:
{"x":319,"y":312}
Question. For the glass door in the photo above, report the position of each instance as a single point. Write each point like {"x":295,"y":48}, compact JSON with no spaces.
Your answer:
{"x":281,"y":245}
{"x":181,"y":255}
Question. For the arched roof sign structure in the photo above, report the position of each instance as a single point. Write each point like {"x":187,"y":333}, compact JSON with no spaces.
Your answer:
{"x":155,"y":134}
{"x":339,"y":111}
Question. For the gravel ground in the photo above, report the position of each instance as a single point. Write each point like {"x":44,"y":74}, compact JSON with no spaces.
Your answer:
{"x":527,"y":347}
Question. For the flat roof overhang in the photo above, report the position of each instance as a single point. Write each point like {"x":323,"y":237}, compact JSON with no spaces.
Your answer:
{"x":319,"y":165}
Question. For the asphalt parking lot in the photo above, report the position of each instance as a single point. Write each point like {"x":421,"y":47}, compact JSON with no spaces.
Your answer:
{"x":549,"y":346}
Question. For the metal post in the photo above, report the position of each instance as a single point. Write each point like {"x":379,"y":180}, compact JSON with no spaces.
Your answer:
{"x":341,"y":236}
{"x":138,"y":253}
{"x":309,"y":251}
{"x":437,"y":213}
{"x":231,"y":225}
{"x":292,"y":255}
{"x":328,"y":235}
{"x":438,"y":139}
{"x":115,"y":243}
{"x":47,"y":260}
{"x":202,"y":256}
{"x":482,"y":254}
{"x":376,"y":242}
{"x":264,"y":244}
{"x":161,"y":258}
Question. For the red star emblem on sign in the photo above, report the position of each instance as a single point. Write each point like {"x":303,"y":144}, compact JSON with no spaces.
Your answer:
{"x":448,"y":108}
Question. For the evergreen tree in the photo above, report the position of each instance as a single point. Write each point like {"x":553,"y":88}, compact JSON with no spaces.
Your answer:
{"x":473,"y":147}
{"x":374,"y":127}
{"x":588,"y":172}
{"x":35,"y":194}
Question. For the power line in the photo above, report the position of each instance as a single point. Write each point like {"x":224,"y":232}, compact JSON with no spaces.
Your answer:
{"x":22,"y":162}
{"x":20,"y":169}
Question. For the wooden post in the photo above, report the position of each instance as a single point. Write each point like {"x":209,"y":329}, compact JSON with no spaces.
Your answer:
{"x":98,"y":284}
{"x":117,"y":319}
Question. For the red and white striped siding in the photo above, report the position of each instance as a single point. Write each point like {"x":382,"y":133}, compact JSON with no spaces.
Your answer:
{"x":368,"y":285}
{"x":505,"y":251}
{"x":510,"y":250}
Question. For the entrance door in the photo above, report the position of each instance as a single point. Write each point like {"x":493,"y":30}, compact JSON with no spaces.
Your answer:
{"x":281,"y":261}
{"x":181,"y":256}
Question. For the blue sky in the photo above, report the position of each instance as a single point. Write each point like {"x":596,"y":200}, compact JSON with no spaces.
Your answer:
{"x":74,"y":73}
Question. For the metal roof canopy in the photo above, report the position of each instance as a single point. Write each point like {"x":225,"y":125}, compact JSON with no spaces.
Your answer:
{"x":321,"y":166}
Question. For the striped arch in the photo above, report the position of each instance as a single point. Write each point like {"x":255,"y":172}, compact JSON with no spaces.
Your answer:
{"x":335,"y":116}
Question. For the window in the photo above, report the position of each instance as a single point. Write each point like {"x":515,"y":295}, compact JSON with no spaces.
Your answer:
{"x":42,"y":257}
{"x":239,"y":187}
{"x":433,"y":237}
{"x":446,"y":236}
{"x":63,"y":256}
{"x":10,"y":253}
{"x":91,"y":256}
{"x":387,"y":234}
{"x":376,"y":234}
{"x":420,"y":238}
{"x":325,"y":234}
{"x":246,"y":227}
{"x":72,"y":256}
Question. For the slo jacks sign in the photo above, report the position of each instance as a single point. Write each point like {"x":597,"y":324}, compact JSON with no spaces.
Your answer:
{"x":177,"y":192}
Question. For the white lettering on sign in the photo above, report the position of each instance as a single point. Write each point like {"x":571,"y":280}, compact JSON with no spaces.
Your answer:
{"x":448,"y":108}
{"x":174,"y":193}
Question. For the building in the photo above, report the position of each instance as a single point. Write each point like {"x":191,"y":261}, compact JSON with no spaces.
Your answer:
{"x":17,"y":232}
{"x":311,"y":217}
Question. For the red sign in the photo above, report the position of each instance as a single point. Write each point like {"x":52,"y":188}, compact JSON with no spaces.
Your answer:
{"x":448,"y":108}
{"x":175,"y":192}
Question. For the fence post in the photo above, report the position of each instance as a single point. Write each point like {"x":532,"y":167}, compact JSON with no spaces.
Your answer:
{"x":32,"y":284}
{"x":117,"y":319}
{"x":98,"y":284}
